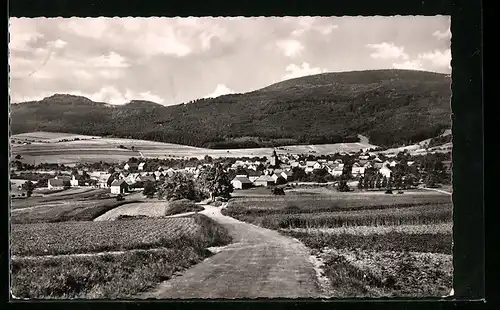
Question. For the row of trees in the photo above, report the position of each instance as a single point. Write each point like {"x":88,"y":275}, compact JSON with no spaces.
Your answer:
{"x":212,"y":182}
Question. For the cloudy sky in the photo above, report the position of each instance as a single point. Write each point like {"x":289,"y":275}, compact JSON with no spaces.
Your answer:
{"x":174,"y":60}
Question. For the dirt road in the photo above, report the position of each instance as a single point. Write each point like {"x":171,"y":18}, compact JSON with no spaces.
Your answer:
{"x":259,"y":263}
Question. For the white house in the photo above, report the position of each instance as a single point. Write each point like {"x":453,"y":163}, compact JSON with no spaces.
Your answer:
{"x":317,"y":166}
{"x":74,"y":181}
{"x":103,"y":180}
{"x":287,"y":175}
{"x":55,"y":184}
{"x":254,"y":175}
{"x":309,"y":169}
{"x":141,"y":166}
{"x":385,"y":171}
{"x":264,"y":180}
{"x":241,"y":182}
{"x":393,"y":163}
{"x":119,"y":187}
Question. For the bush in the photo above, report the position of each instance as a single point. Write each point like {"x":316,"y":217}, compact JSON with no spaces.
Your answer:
{"x":182,"y":206}
{"x":119,"y":197}
{"x":278,"y":191}
{"x":389,"y":191}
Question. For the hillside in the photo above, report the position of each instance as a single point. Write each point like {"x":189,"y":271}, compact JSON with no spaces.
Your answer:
{"x":391,"y":107}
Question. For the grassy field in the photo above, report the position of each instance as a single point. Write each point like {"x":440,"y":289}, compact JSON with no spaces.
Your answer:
{"x":87,"y":237}
{"x":157,"y":248}
{"x":70,"y":205}
{"x":106,"y":149}
{"x":371,"y":244}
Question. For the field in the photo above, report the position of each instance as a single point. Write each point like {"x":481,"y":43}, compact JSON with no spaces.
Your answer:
{"x":107,"y":149}
{"x":87,"y":237}
{"x":150,"y":208}
{"x":140,"y":254}
{"x":368,"y":244}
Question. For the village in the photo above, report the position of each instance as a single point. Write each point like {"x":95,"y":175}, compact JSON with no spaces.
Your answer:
{"x":368,"y":170}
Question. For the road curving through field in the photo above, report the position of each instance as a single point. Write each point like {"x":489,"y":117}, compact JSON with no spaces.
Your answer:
{"x":259,"y":263}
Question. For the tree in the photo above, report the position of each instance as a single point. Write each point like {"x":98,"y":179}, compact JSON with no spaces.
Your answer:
{"x":343,"y":187}
{"x":278,"y":191}
{"x":149,"y":189}
{"x":28,"y":187}
{"x":208,"y":159}
{"x":18,"y":156}
{"x":214,"y":182}
{"x":177,"y":186}
{"x":280,"y":181}
{"x":360,"y":183}
{"x":384,"y":182}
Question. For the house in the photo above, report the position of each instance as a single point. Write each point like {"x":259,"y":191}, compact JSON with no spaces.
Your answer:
{"x":311,"y":163}
{"x":287,"y":175}
{"x":357,"y":171}
{"x":55,"y":184}
{"x":254,"y":175}
{"x":309,"y":169}
{"x":141,"y":166}
{"x":264,"y":180}
{"x":119,"y":187}
{"x":275,"y":177}
{"x":393,"y":163}
{"x":317,"y":165}
{"x":75,"y":180}
{"x":385,"y":171}
{"x":241,"y":182}
{"x":130,"y":166}
{"x":378,"y":165}
{"x":124,"y":174}
{"x":102,"y":182}
{"x":145,"y":178}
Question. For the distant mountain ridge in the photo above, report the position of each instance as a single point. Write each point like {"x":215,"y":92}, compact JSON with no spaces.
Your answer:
{"x":391,"y":107}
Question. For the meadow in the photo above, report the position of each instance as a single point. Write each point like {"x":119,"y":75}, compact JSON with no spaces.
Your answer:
{"x":370,"y":244}
{"x":153,"y":250}
{"x":94,"y":149}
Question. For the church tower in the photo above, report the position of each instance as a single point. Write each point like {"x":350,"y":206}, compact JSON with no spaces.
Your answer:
{"x":274,"y":159}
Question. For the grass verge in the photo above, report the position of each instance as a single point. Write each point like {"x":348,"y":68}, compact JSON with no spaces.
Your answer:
{"x":182,"y":206}
{"x":122,"y":275}
{"x":103,"y":277}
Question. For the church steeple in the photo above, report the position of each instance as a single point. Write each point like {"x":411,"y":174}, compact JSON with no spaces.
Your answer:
{"x":274,"y":159}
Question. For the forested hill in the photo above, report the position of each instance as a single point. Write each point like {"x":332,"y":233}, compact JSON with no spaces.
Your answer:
{"x":391,"y":107}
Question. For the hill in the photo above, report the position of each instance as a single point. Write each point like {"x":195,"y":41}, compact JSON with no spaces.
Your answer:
{"x":391,"y":107}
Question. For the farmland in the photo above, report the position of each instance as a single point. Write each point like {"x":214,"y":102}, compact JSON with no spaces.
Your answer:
{"x":369,"y":244}
{"x":74,"y":260}
{"x":94,"y":149}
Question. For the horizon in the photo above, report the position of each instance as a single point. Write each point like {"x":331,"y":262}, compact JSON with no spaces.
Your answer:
{"x":123,"y":59}
{"x":180,"y":103}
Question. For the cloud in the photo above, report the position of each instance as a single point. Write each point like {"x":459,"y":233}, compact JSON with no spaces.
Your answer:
{"x":22,"y":41}
{"x":325,"y":30}
{"x":442,"y":35}
{"x":386,"y":50}
{"x":316,"y":24}
{"x":438,"y":58}
{"x":112,"y":60}
{"x":290,"y":48}
{"x":57,"y":44}
{"x":294,"y":71}
{"x":220,"y":90}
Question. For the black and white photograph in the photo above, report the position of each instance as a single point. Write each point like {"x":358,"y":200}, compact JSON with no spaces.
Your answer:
{"x":230,"y":157}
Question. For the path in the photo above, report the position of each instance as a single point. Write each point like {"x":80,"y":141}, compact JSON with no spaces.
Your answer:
{"x":437,"y":190}
{"x":259,"y":263}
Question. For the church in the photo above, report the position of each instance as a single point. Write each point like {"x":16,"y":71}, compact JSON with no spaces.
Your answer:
{"x":274,"y":161}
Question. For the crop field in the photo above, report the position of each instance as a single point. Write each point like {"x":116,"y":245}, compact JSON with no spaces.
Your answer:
{"x":116,"y":259}
{"x":64,"y":210}
{"x":107,"y":149}
{"x":370,"y":244}
{"x":87,"y":237}
{"x":150,"y":208}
